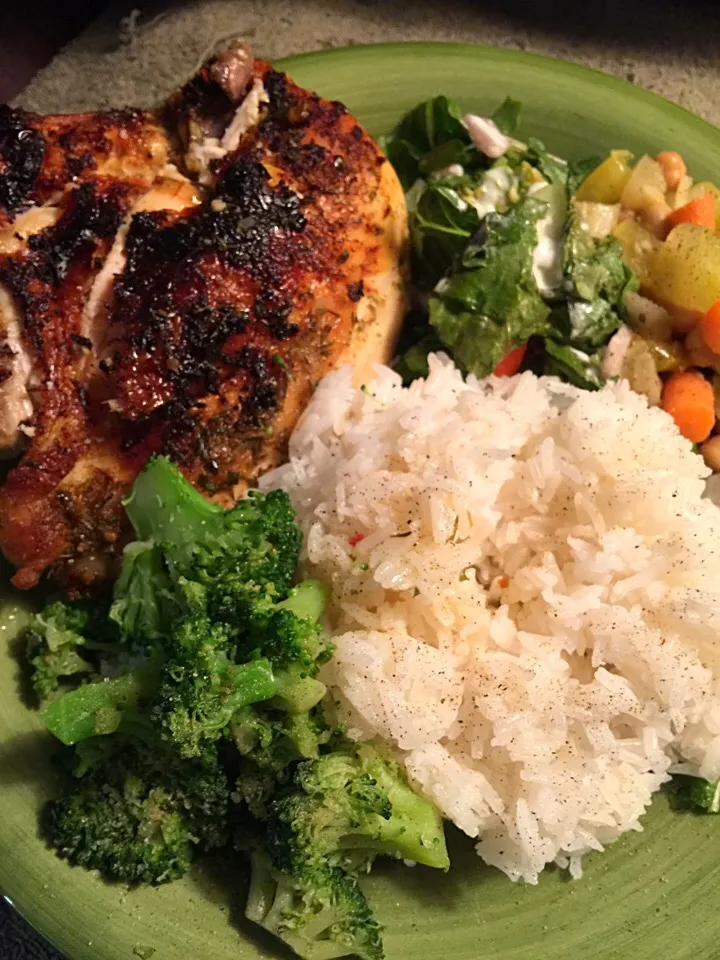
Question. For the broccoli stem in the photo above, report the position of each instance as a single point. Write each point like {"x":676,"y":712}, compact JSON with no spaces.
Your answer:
{"x":298,"y":691}
{"x":143,"y":604}
{"x":93,"y":709}
{"x":309,"y":599}
{"x":298,"y":694}
{"x":702,"y":794}
{"x":251,"y":683}
{"x":263,"y":888}
{"x":165,"y":507}
{"x":96,"y":709}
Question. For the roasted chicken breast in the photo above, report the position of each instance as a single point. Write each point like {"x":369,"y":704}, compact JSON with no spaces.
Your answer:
{"x":177,"y":282}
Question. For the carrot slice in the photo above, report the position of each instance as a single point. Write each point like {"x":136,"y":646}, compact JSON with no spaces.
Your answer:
{"x":710,"y":327}
{"x":511,"y":362}
{"x":700,"y":212}
{"x":688,"y":398}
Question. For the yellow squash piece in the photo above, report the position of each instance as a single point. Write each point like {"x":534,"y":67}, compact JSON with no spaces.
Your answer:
{"x":639,"y":249}
{"x":685,"y":270}
{"x":640,"y":371}
{"x":645,"y":186}
{"x":606,"y":182}
{"x":599,"y":219}
{"x":668,"y":356}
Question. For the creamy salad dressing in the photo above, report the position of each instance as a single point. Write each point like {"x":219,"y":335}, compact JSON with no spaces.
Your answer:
{"x":494,"y":194}
{"x":548,"y":254}
{"x":493,"y":191}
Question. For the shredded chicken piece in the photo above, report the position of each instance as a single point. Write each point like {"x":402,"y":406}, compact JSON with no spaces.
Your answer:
{"x":15,"y":368}
{"x":616,"y":351}
{"x":246,"y":116}
{"x":206,"y":153}
{"x":486,"y":136}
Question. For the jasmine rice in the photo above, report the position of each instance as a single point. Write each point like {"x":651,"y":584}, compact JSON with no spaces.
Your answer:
{"x":525,"y":598}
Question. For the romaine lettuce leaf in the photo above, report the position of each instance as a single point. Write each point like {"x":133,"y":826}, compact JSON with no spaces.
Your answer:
{"x":592,"y":322}
{"x":433,"y":136}
{"x":507,"y":116}
{"x":441,"y":225}
{"x":404,"y":158}
{"x":475,"y":342}
{"x":551,"y":167}
{"x":485,"y":300}
{"x":572,"y":365}
{"x":596,"y":279}
{"x":502,"y":266}
{"x":482,"y":312}
{"x":433,"y":122}
{"x":430,"y":137}
{"x":595,"y":268}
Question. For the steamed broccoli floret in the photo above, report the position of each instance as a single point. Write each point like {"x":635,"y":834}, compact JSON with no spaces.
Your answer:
{"x":321,"y":913}
{"x":287,"y":632}
{"x":214,"y":586}
{"x":140,"y":815}
{"x":274,"y":738}
{"x":353,"y":799}
{"x":291,"y":636}
{"x":183,"y":536}
{"x":229,"y":649}
{"x":270,"y":741}
{"x":145,"y":600}
{"x":257,"y":540}
{"x":202,"y":687}
{"x":284,"y":636}
{"x":339,"y":812}
{"x":62,"y":642}
{"x":207,"y":680}
{"x":209,"y":592}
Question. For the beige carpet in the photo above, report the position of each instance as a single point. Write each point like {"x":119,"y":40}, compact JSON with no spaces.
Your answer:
{"x":672,"y":48}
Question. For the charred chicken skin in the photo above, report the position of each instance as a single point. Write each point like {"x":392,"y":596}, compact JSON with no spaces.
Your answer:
{"x":177,"y":282}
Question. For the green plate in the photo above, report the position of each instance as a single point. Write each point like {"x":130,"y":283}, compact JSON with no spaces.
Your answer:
{"x":652,"y":895}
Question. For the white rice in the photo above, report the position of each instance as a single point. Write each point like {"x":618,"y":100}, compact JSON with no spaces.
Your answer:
{"x":531,"y":619}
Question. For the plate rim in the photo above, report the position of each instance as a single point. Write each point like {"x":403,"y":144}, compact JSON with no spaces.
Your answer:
{"x":510,"y":54}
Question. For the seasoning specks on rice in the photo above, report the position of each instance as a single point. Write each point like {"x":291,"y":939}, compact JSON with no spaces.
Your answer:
{"x":530,"y":618}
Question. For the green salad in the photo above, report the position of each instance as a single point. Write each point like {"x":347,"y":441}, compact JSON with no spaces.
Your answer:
{"x":511,"y":277}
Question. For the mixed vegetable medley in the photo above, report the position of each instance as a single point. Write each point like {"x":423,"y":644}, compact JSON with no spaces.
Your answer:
{"x":592,"y":270}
